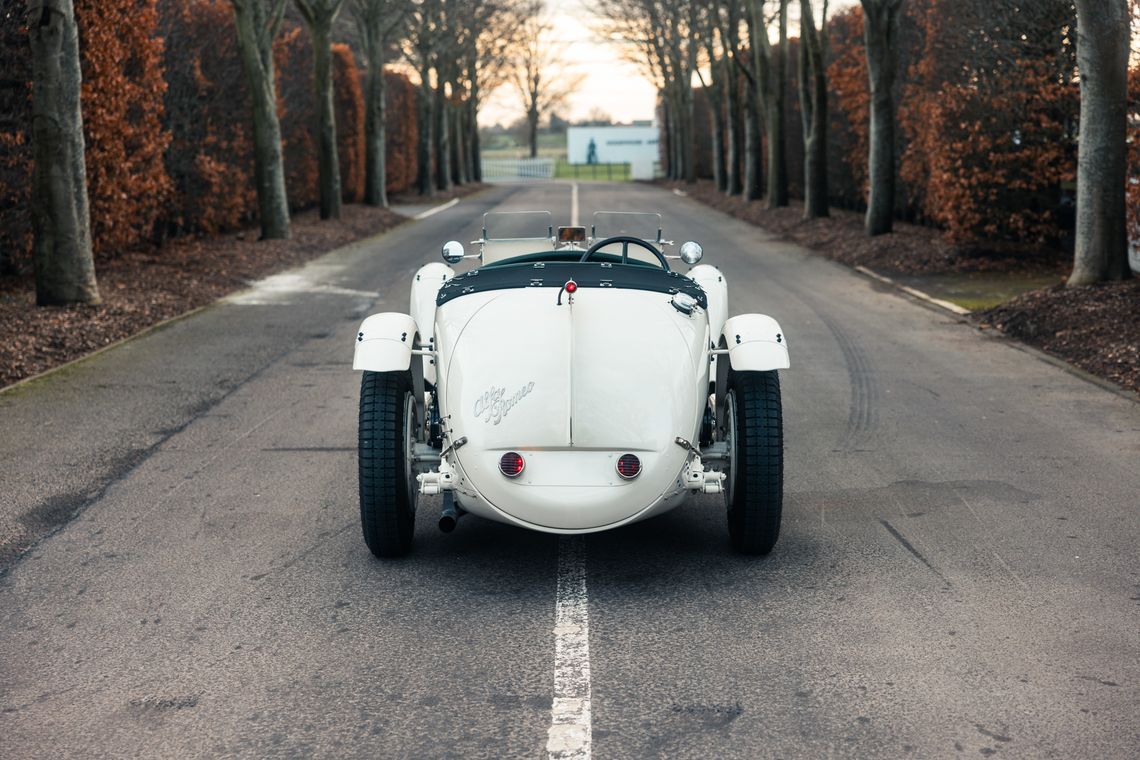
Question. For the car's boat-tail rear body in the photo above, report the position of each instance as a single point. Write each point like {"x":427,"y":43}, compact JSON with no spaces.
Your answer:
{"x":569,"y":389}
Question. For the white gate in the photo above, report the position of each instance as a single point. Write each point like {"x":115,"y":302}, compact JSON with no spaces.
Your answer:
{"x":517,"y":169}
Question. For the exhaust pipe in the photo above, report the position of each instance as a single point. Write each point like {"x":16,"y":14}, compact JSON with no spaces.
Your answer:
{"x":450,"y":514}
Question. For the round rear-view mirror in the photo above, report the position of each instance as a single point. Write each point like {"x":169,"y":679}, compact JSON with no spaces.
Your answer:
{"x":453,"y":252}
{"x":691,"y":252}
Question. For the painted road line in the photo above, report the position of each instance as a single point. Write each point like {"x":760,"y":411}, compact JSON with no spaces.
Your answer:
{"x":436,"y":209}
{"x":574,"y":205}
{"x":913,"y":291}
{"x":569,"y":737}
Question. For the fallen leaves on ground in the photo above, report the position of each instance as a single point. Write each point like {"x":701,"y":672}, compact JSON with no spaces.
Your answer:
{"x":140,"y":289}
{"x":1096,"y":328}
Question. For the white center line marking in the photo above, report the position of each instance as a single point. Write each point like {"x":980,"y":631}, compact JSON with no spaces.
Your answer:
{"x":436,"y":209}
{"x":574,"y":204}
{"x":570,"y":734}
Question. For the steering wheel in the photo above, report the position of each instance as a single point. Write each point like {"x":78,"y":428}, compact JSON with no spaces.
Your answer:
{"x":625,"y":240}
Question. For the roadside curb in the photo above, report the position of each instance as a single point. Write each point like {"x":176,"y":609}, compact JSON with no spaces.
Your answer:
{"x":953,"y":308}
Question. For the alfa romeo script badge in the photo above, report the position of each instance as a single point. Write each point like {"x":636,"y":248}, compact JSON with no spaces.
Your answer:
{"x":494,"y":405}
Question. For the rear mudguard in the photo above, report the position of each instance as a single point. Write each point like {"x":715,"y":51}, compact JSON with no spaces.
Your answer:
{"x":755,"y":343}
{"x":384,"y":343}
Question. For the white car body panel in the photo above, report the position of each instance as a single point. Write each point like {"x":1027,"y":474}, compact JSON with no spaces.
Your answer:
{"x":425,"y":285}
{"x":714,"y":284}
{"x":570,"y":388}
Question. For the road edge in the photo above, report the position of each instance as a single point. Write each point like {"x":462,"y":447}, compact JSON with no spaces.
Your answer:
{"x":953,"y":308}
{"x":198,"y":309}
{"x":964,"y":315}
{"x":112,"y":345}
{"x":929,"y":301}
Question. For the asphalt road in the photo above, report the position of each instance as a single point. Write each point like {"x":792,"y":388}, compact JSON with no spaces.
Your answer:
{"x":958,"y":572}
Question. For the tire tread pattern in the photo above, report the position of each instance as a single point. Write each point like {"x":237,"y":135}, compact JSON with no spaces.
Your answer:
{"x":386,"y":515}
{"x":754,"y":516}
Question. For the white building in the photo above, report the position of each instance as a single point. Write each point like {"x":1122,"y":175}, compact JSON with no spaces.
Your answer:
{"x":636,"y":146}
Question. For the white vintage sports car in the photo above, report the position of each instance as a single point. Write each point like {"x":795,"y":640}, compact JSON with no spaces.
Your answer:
{"x":570,"y":383}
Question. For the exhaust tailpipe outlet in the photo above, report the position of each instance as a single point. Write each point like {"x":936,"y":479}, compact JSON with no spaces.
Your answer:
{"x":449,"y":515}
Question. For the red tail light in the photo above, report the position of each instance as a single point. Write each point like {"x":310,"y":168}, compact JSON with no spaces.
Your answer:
{"x":629,"y":466}
{"x":511,"y":464}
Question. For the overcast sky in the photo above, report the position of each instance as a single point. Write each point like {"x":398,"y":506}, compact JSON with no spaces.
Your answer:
{"x":615,"y":86}
{"x":611,"y":84}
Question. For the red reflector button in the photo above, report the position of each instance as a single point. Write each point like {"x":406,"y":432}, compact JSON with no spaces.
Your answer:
{"x":511,"y":464}
{"x":571,"y":286}
{"x":629,"y":466}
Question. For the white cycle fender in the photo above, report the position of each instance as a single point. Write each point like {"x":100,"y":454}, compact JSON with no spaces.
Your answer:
{"x":755,"y":343}
{"x":384,"y":343}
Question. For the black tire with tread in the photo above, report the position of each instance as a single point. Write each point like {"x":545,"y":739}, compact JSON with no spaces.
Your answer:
{"x":387,"y":514}
{"x":754,"y":515}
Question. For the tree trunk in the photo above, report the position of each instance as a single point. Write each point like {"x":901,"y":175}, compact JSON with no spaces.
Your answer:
{"x":372,"y":24}
{"x":805,"y":93}
{"x":458,"y":146}
{"x":715,"y":90}
{"x":777,"y":139}
{"x":1102,"y":158}
{"x":689,"y":127}
{"x":753,"y":181}
{"x":678,"y":162}
{"x":442,"y":143}
{"x":458,"y":162}
{"x":424,"y":119}
{"x":532,"y":130}
{"x":813,"y":100}
{"x":255,"y":43}
{"x":678,"y":144}
{"x":473,"y":147}
{"x":734,"y":184}
{"x":61,"y":223}
{"x":880,"y":34}
{"x":327,"y":160}
{"x":375,"y":139}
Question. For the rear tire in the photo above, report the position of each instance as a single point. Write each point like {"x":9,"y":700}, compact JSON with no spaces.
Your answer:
{"x":387,"y":495}
{"x":756,"y":496}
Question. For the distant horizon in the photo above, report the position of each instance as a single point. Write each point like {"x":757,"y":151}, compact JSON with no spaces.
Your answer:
{"x":575,"y":123}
